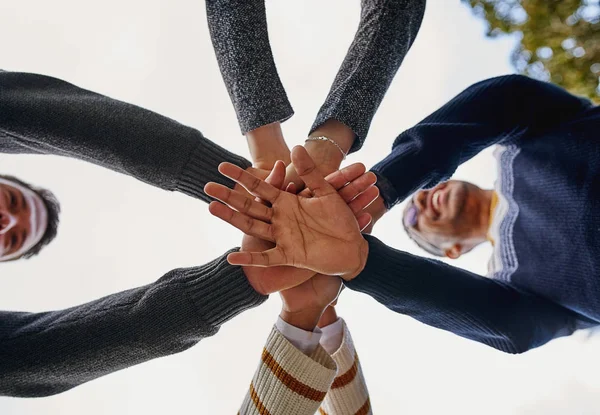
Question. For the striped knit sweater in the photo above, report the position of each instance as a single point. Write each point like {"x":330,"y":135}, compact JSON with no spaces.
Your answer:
{"x":288,"y":382}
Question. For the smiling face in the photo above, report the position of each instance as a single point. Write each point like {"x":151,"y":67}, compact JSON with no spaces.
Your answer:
{"x":23,"y":219}
{"x":449,"y":219}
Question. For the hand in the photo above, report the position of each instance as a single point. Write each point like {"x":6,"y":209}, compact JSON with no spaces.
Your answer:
{"x":319,"y":233}
{"x":326,"y":156}
{"x":273,"y":279}
{"x":303,"y":305}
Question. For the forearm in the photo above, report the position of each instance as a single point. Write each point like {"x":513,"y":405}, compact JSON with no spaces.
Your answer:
{"x":490,"y":112}
{"x":43,"y":354}
{"x":267,"y":146}
{"x":471,"y":306}
{"x":240,"y":38}
{"x":44,"y":115}
{"x":386,"y":32}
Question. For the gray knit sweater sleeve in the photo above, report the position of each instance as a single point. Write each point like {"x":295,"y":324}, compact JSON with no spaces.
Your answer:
{"x":47,"y":353}
{"x":44,"y":115}
{"x":240,"y":38}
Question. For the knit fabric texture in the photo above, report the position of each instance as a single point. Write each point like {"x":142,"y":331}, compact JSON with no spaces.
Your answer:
{"x":47,"y":353}
{"x":348,"y":394}
{"x":240,"y":38}
{"x":289,"y":382}
{"x":44,"y":115}
{"x":552,"y":288}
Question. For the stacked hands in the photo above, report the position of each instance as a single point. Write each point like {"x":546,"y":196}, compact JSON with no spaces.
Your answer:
{"x":301,"y":244}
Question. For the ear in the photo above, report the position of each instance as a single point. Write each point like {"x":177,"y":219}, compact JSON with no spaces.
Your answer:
{"x":454,"y":251}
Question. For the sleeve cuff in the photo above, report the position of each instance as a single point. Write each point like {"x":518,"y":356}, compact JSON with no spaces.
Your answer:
{"x":333,"y":335}
{"x":306,"y":341}
{"x":386,"y":190}
{"x":220,"y":291}
{"x":202,"y":168}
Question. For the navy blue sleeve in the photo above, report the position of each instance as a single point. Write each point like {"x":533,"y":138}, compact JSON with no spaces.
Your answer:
{"x":477,"y":308}
{"x":497,"y":110}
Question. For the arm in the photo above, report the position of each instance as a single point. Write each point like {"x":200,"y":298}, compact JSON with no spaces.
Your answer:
{"x":287,"y":381}
{"x":239,"y":34}
{"x":477,"y":308}
{"x":348,"y":394}
{"x":386,"y":31}
{"x":510,"y":107}
{"x":295,"y":372}
{"x":43,"y":354}
{"x":44,"y":115}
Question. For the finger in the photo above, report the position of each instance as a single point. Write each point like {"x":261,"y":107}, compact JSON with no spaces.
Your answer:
{"x":243,"y":222}
{"x":239,"y":201}
{"x":277,"y":175}
{"x":364,"y":220}
{"x":357,"y":186}
{"x":251,"y":183}
{"x":269,"y":258}
{"x":364,"y":200}
{"x":340,"y":178}
{"x":308,"y":172}
{"x":292,"y":188}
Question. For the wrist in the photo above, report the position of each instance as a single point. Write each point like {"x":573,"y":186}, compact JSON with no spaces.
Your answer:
{"x":329,"y":317}
{"x":304,"y":319}
{"x":267,"y":145}
{"x":363,"y":254}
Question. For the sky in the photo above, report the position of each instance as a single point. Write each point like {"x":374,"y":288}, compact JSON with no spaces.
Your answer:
{"x":117,"y":233}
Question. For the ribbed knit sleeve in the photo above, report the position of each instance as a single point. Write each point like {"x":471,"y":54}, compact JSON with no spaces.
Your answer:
{"x":240,"y":38}
{"x":498,"y":110}
{"x":348,"y":394}
{"x":386,"y":31}
{"x":44,"y":115}
{"x":488,"y":311}
{"x":47,"y":353}
{"x":288,"y":382}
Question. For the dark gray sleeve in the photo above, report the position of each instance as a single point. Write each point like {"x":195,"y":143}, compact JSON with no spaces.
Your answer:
{"x":47,"y":353}
{"x":44,"y":115}
{"x":240,"y":38}
{"x":386,"y":32}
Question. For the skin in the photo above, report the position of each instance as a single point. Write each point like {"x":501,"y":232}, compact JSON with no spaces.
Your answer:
{"x":320,"y":233}
{"x":23,"y":220}
{"x":453,"y":216}
{"x":303,"y":304}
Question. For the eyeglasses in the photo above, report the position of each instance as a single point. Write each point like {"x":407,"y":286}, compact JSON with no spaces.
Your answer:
{"x":411,"y":215}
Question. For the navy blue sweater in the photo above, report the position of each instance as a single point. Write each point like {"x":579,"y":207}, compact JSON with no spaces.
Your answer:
{"x":550,"y":285}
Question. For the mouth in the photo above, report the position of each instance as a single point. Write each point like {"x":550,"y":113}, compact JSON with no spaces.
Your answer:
{"x":436,"y":200}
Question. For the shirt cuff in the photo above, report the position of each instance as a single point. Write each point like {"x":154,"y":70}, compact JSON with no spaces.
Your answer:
{"x":305,"y":341}
{"x":332,"y":336}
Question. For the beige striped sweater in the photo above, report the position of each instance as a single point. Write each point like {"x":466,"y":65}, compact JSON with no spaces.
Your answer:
{"x":288,"y":382}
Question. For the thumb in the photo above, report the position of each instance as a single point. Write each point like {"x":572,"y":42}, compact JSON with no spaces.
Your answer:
{"x":277,"y":175}
{"x":309,"y":173}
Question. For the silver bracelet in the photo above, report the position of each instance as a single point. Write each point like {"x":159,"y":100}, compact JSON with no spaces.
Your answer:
{"x":323,"y":138}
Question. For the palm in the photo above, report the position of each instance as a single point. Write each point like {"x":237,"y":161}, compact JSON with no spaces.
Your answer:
{"x":272,"y":279}
{"x":319,"y":233}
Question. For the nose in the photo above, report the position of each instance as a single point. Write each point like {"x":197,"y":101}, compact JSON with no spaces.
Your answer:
{"x":7,"y":221}
{"x":420,"y":200}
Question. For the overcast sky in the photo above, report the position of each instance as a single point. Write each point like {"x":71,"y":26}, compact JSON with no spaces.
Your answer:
{"x":117,"y":233}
